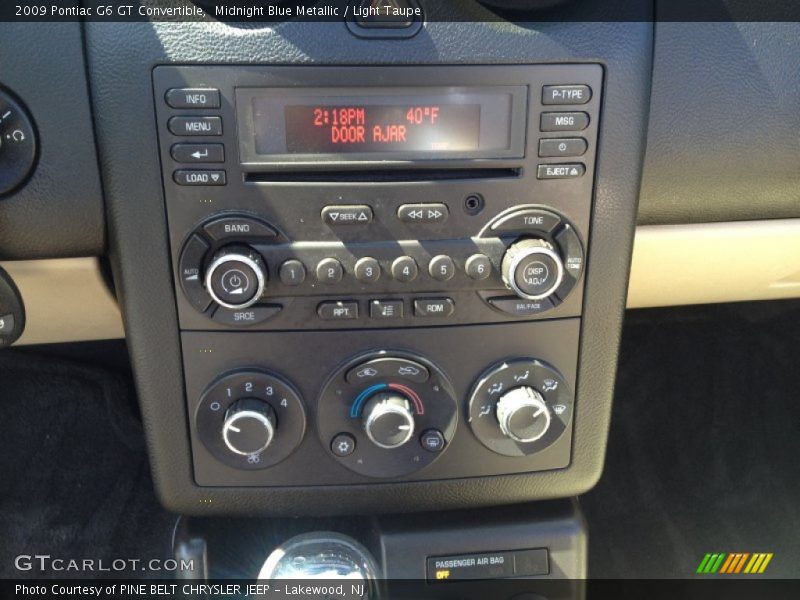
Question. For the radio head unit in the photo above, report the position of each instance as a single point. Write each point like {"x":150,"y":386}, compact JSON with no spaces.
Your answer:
{"x":380,"y":123}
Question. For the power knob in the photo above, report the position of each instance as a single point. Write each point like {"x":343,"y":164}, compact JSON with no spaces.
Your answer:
{"x":388,"y":420}
{"x":249,"y":427}
{"x":523,"y":415}
{"x":532,"y":268}
{"x":236,"y":277}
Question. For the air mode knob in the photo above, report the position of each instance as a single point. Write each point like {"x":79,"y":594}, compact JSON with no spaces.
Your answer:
{"x":236,"y":277}
{"x":249,"y":427}
{"x":532,"y":268}
{"x":523,"y":414}
{"x":388,"y":420}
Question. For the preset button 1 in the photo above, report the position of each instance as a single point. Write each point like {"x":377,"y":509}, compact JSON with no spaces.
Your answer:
{"x":292,"y":272}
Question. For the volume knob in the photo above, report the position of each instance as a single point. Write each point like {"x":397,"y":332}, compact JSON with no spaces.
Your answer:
{"x":523,"y":415}
{"x":236,"y":277}
{"x":532,"y":268}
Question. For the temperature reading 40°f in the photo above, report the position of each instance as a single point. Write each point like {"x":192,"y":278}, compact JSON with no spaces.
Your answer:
{"x":417,"y":115}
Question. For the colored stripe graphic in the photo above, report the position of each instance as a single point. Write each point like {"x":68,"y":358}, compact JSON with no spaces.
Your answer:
{"x":764,"y":564}
{"x":728,"y":564}
{"x":741,"y":562}
{"x":734,"y":563}
{"x":703,"y":563}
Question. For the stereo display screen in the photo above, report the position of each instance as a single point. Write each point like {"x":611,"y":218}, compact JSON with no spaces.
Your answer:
{"x":376,"y":128}
{"x":380,"y":123}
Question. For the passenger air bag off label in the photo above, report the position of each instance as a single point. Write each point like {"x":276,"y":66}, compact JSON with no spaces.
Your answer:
{"x":488,"y":565}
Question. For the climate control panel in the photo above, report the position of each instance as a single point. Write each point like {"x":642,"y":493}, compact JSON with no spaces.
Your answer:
{"x":398,"y":413}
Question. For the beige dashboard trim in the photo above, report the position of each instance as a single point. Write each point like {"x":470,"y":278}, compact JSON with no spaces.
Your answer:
{"x":715,"y":262}
{"x":66,"y":300}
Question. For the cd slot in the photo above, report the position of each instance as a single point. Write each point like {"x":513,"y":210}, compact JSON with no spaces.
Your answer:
{"x":381,"y":175}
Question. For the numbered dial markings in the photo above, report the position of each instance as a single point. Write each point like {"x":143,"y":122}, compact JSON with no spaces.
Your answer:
{"x":282,"y":406}
{"x":496,"y":425}
{"x":387,"y":414}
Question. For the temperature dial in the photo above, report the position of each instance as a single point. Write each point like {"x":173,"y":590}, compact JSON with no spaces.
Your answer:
{"x":236,"y":277}
{"x":532,"y":268}
{"x":249,"y":427}
{"x":388,"y":420}
{"x":523,"y":415}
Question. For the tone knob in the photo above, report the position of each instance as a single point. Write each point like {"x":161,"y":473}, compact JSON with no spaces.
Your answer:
{"x":388,"y":420}
{"x":249,"y":427}
{"x":523,"y":415}
{"x":236,"y":277}
{"x":532,"y":268}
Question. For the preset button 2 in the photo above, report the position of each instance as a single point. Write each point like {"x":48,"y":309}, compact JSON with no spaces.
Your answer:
{"x":329,"y":270}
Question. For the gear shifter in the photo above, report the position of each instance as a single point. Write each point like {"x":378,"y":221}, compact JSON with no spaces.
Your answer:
{"x":323,"y":555}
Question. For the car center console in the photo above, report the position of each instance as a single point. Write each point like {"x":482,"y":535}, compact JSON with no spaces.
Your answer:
{"x":379,"y":271}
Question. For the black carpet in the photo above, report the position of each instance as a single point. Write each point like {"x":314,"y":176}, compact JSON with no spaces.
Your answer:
{"x":75,"y":481}
{"x":704,"y":450}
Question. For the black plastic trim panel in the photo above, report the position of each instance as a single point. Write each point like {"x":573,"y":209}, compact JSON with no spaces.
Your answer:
{"x":121,"y":58}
